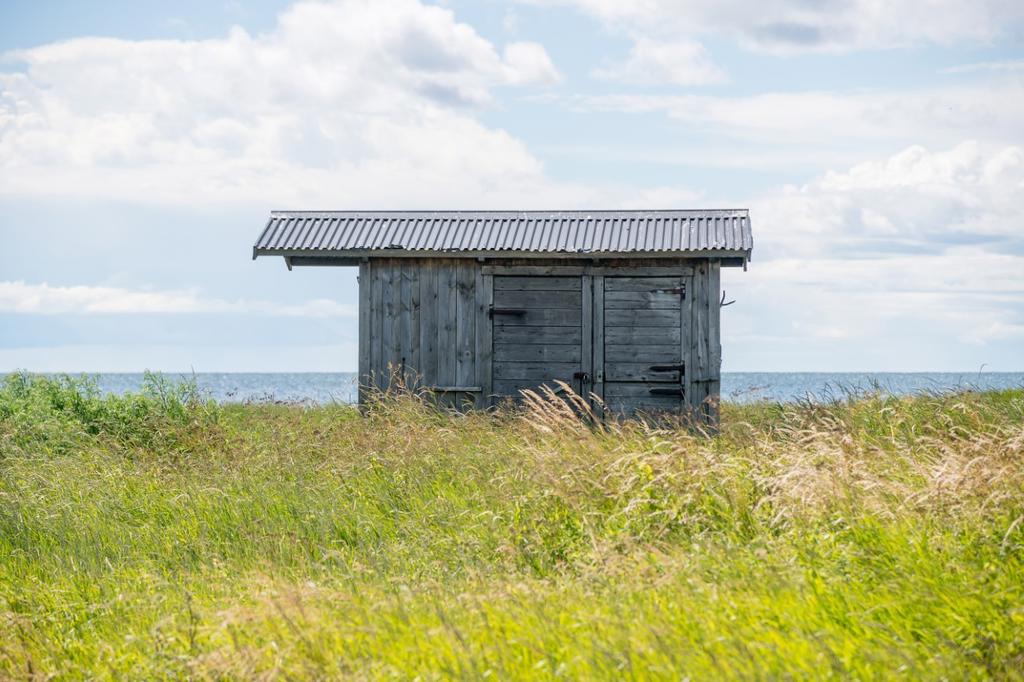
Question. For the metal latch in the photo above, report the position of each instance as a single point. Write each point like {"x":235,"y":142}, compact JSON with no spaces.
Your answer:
{"x":665,"y":391}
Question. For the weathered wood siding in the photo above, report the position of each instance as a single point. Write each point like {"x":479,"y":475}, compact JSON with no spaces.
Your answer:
{"x":644,"y":369}
{"x":538,"y":333}
{"x":418,"y":324}
{"x":438,"y":323}
{"x":705,"y":362}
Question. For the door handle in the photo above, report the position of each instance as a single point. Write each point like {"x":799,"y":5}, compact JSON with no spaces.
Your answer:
{"x":583,"y":376}
{"x":666,"y":368}
{"x":665,"y":391}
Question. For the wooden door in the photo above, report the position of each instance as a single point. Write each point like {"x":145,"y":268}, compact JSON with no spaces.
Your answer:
{"x":541,"y":331}
{"x":640,"y":343}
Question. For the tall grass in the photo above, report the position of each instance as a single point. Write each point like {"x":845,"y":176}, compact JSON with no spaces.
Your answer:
{"x":163,"y":536}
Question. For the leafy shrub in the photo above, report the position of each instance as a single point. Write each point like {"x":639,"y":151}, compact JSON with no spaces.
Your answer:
{"x":53,"y":415}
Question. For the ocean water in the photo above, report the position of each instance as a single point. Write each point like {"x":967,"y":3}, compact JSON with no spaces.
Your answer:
{"x":340,"y":387}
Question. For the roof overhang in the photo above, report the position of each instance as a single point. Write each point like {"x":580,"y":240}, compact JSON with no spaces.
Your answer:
{"x":301,"y":258}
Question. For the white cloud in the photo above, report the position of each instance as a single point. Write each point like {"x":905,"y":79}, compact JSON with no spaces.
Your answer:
{"x":921,"y":247}
{"x":651,"y":62}
{"x":1006,"y":65}
{"x":990,"y":111}
{"x":43,"y":299}
{"x":343,"y":102}
{"x":795,"y":26}
{"x":665,"y":33}
{"x":914,"y":201}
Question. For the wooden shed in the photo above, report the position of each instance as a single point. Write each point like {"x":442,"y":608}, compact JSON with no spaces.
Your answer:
{"x":477,"y":305}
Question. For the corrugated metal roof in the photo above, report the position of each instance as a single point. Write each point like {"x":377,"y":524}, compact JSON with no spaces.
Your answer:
{"x":572,"y":233}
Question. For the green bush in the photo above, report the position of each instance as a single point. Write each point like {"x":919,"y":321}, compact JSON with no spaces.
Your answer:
{"x":54,"y":415}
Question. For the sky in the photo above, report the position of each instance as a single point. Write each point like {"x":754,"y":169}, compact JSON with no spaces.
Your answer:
{"x":878,"y":146}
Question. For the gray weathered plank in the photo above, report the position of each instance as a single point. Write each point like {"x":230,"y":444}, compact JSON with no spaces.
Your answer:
{"x":504,"y":352}
{"x":641,"y":318}
{"x":403,"y":302}
{"x":512,"y":283}
{"x":541,"y":318}
{"x":587,"y":326}
{"x":641,"y":336}
{"x":618,"y":284}
{"x":643,"y":390}
{"x":465,"y":324}
{"x":639,"y":406}
{"x":538,"y":270}
{"x":376,"y":355}
{"x":415,"y":312}
{"x":365,"y":289}
{"x":532,"y":336}
{"x":383,"y":268}
{"x":714,"y":341}
{"x":641,"y":300}
{"x":536,"y":371}
{"x":428,"y":323}
{"x":511,"y":387}
{"x":654,"y":355}
{"x":699,"y":345}
{"x":447,"y":338}
{"x":484,"y":338}
{"x":623,"y":270}
{"x":599,"y":340}
{"x":637,"y":371}
{"x":685,"y":343}
{"x":546,"y":300}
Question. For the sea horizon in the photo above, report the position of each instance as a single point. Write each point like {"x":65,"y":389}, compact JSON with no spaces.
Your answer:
{"x":741,"y":387}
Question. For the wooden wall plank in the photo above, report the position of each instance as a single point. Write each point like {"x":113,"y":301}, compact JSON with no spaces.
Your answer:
{"x":699,"y":343}
{"x":465,"y":327}
{"x":632,"y":336}
{"x":537,"y":371}
{"x":642,"y":390}
{"x":599,"y":340}
{"x":641,"y":300}
{"x":545,"y":300}
{"x":714,"y":340}
{"x":532,"y":336}
{"x":641,"y":318}
{"x":447,"y":339}
{"x":484,"y":343}
{"x":510,"y":388}
{"x":621,"y":267}
{"x":584,"y":385}
{"x":686,"y":344}
{"x":514,"y":352}
{"x":402,"y":343}
{"x":412,"y":273}
{"x":620,"y":284}
{"x":506,"y":283}
{"x":642,"y":406}
{"x":638,"y":371}
{"x":541,"y":318}
{"x":662,"y":354}
{"x":376,"y":324}
{"x":429,"y":317}
{"x":365,"y":291}
{"x":389,"y":322}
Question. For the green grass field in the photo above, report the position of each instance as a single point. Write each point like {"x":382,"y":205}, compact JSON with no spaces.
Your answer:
{"x":161,"y":536}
